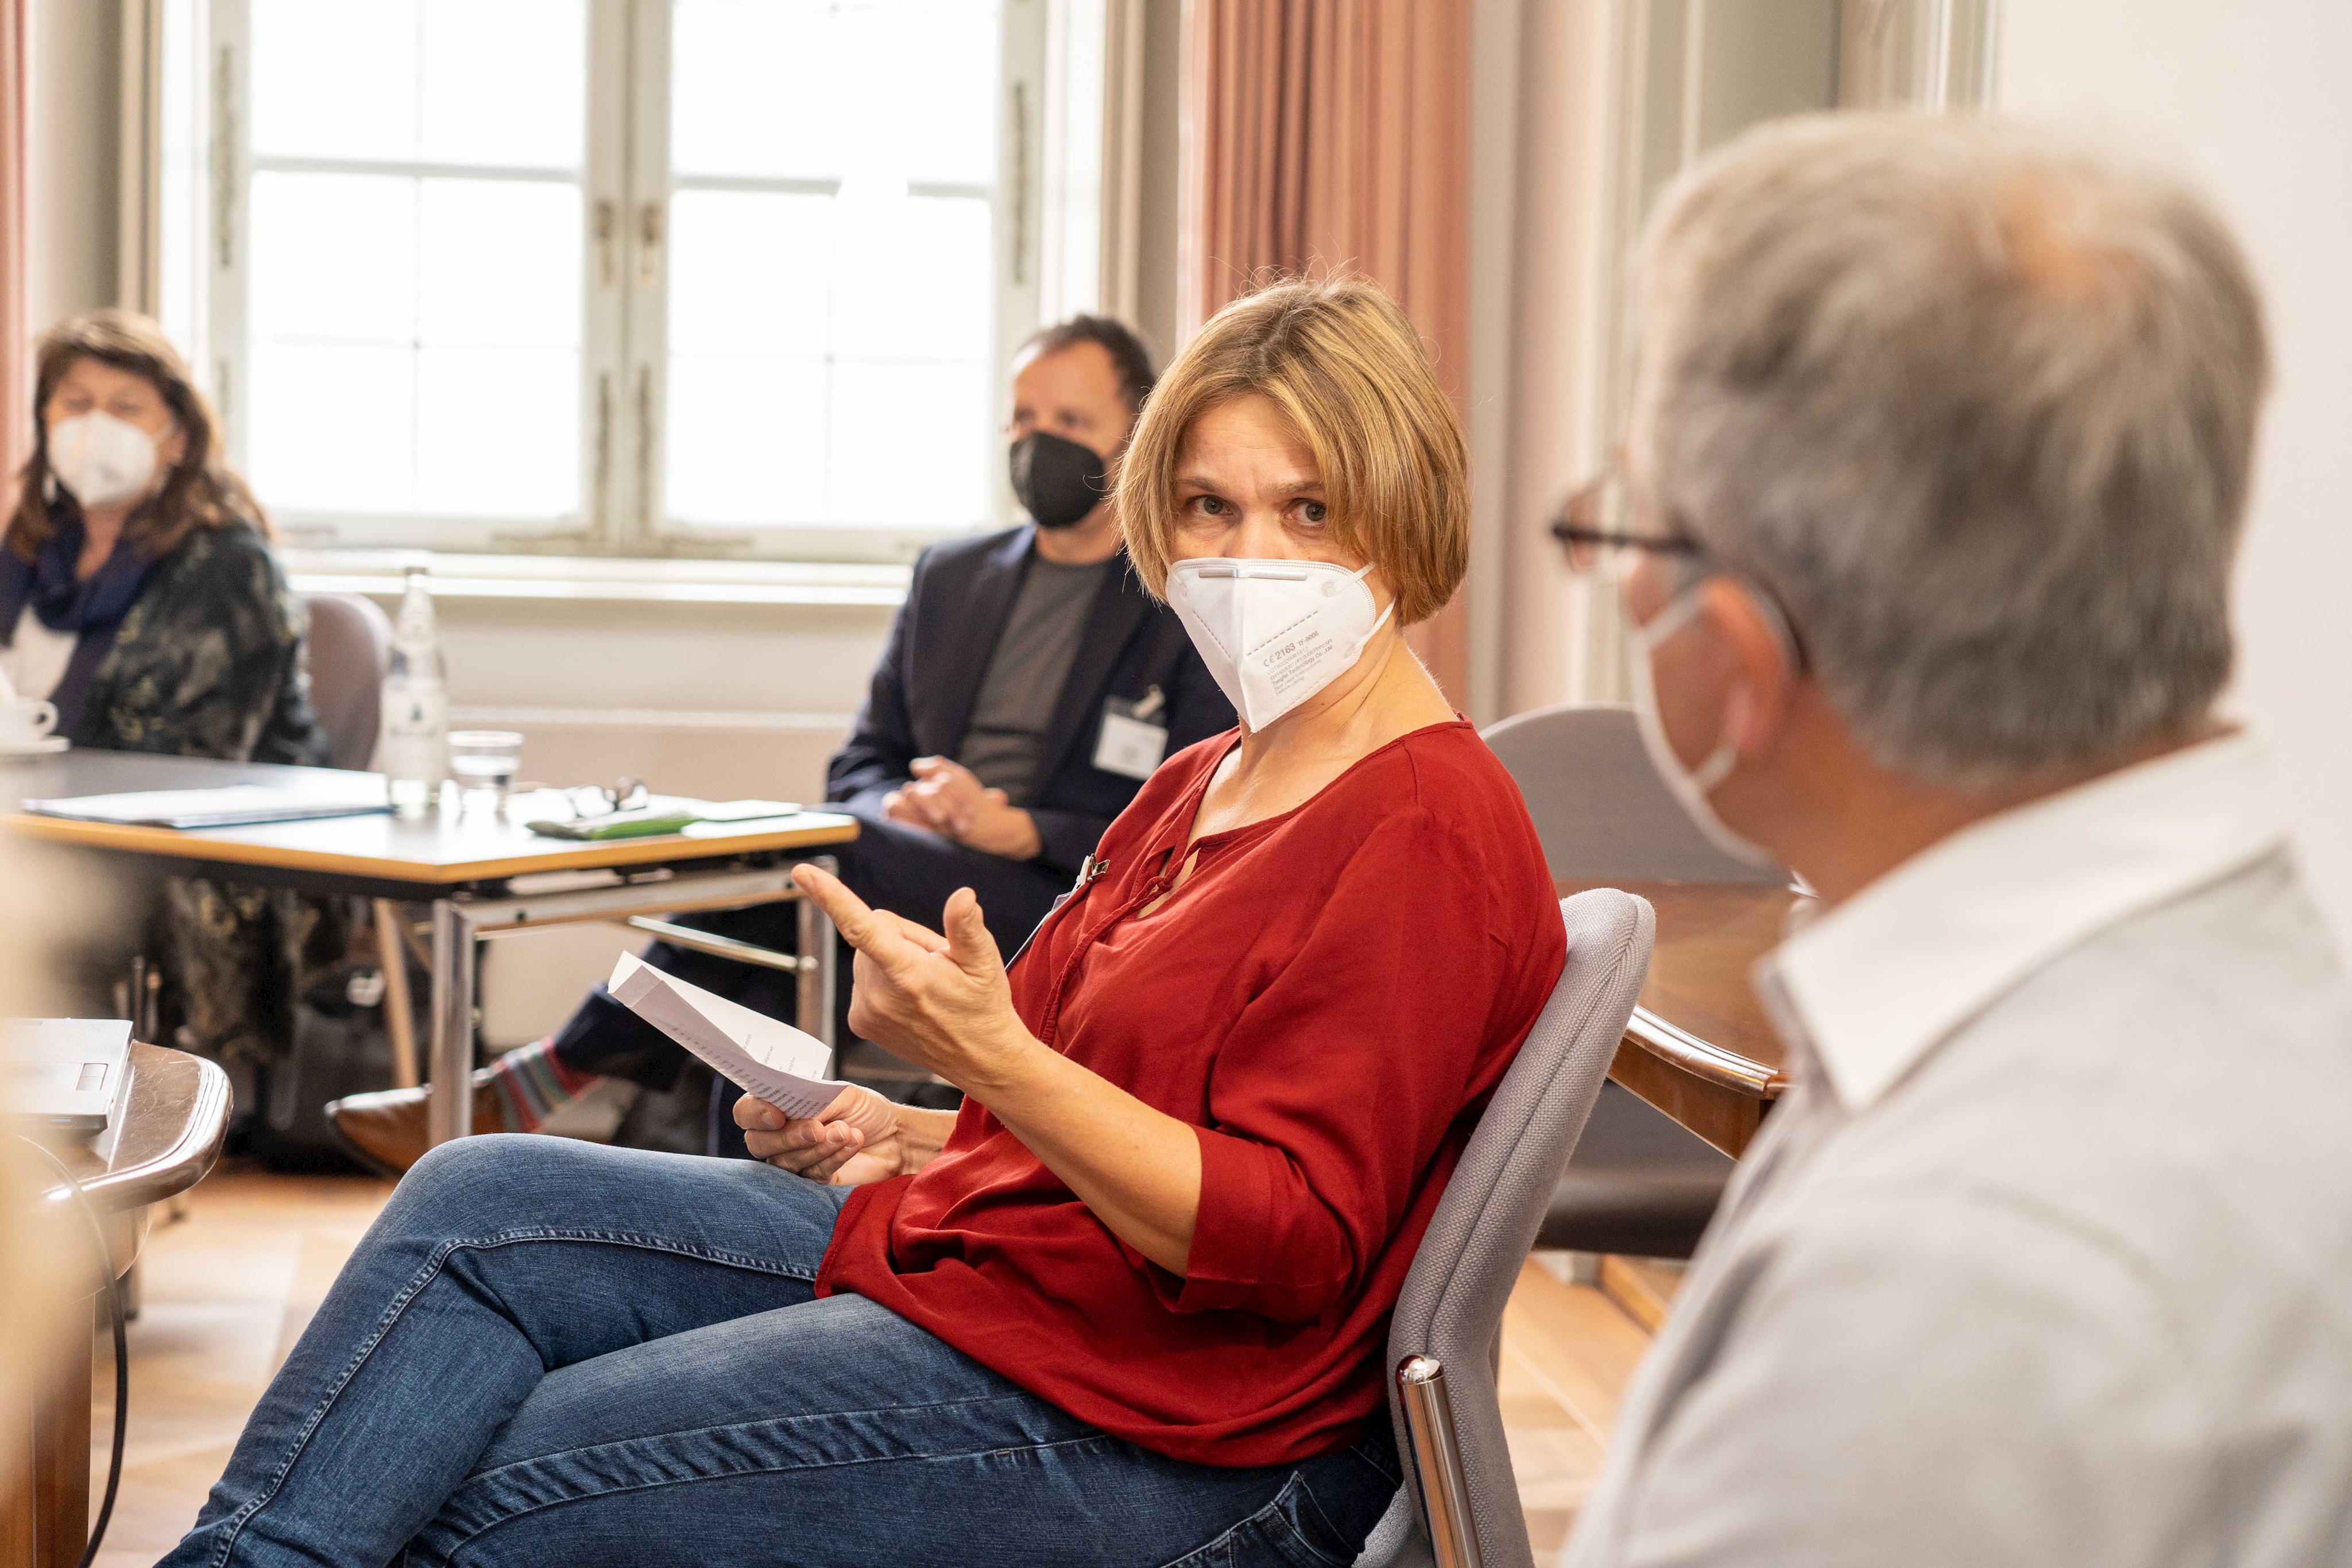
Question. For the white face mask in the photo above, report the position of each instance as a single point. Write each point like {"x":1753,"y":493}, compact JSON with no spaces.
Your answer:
{"x":103,"y":460}
{"x":1274,"y":632}
{"x":1691,"y":786}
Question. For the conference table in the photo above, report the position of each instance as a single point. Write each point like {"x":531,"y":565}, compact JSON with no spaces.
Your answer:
{"x":480,"y":871}
{"x":1699,"y":1046}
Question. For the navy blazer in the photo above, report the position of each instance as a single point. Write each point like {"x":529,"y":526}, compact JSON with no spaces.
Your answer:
{"x":940,"y":644}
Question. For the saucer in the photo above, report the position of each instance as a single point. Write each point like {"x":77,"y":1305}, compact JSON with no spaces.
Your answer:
{"x":43,"y":746}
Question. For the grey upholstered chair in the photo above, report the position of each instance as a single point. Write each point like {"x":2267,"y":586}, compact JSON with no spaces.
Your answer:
{"x":1639,"y":1184}
{"x":349,"y":644}
{"x":1467,"y":1511}
{"x":1603,"y":813}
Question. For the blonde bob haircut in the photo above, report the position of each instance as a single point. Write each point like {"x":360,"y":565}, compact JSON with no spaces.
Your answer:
{"x":1348,"y":370}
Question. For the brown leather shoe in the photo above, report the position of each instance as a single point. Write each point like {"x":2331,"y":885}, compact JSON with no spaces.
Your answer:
{"x":387,"y":1129}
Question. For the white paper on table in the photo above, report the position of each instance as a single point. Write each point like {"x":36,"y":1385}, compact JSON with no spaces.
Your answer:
{"x":771,"y":1058}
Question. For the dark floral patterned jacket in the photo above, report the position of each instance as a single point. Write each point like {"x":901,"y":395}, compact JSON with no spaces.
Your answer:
{"x":208,"y":662}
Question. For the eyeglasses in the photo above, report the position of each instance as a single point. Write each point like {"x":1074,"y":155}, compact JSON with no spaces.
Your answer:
{"x":602,"y":800}
{"x":1595,"y":530}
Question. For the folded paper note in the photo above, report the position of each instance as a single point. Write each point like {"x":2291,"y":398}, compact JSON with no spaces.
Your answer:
{"x":770,"y":1058}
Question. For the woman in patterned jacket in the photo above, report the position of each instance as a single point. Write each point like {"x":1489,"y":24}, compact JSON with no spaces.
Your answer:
{"x":139,"y":593}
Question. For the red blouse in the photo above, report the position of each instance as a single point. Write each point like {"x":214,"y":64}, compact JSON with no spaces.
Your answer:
{"x":1328,"y":1001}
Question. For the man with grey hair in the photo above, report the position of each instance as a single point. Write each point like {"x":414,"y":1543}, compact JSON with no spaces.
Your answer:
{"x":1939,"y":456}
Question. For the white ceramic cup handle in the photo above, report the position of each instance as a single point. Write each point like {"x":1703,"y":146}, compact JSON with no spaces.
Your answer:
{"x":46,"y":718}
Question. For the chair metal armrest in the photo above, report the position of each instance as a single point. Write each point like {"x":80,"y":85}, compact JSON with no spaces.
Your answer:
{"x":1435,"y":1463}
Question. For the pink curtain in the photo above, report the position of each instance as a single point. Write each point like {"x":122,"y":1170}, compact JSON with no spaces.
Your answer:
{"x":16,"y":332}
{"x":1328,"y":136}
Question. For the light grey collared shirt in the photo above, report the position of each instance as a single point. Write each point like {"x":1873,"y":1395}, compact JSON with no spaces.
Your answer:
{"x":2046,"y":1259}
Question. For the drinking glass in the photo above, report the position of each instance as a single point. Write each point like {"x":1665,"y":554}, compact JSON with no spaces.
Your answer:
{"x":485,"y":762}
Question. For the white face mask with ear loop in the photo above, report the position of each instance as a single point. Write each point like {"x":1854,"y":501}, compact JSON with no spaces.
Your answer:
{"x":1274,"y":632}
{"x":103,"y":460}
{"x":1690,"y":785}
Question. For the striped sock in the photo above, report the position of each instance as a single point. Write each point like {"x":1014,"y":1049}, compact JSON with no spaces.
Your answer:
{"x":530,"y":1082}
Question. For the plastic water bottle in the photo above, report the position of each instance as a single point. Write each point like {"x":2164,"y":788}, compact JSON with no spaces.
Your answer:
{"x":414,"y":750}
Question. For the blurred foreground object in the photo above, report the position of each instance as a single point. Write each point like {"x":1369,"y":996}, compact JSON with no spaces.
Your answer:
{"x":162,"y":1139}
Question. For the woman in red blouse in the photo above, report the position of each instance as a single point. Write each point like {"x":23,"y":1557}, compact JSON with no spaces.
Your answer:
{"x":1129,"y":1304}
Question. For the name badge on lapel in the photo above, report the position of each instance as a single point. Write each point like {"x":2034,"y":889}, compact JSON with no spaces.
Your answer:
{"x":1134,"y":735}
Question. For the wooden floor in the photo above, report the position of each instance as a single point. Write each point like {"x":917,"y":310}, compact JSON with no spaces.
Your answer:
{"x":227,"y":1290}
{"x":223,"y":1294}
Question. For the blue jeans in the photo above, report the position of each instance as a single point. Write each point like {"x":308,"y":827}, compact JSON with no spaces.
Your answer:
{"x":546,"y":1352}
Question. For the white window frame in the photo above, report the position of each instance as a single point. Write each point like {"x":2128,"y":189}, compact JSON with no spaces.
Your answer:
{"x":626,"y":188}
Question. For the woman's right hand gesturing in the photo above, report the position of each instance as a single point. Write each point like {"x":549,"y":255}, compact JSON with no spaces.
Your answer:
{"x":861,"y":1137}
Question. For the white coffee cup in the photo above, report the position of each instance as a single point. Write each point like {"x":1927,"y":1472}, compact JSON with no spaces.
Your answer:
{"x":26,"y":719}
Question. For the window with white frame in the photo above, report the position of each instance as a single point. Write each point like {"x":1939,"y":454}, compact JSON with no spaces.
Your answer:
{"x":638,"y":277}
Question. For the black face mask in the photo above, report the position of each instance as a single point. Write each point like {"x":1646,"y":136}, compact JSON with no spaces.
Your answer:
{"x":1057,"y":482}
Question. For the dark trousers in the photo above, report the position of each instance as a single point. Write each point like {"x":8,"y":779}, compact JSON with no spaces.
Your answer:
{"x":907,"y":871}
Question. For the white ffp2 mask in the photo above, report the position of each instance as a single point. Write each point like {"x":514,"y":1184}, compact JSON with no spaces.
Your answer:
{"x":103,"y":460}
{"x":1691,"y":786}
{"x":1274,"y":632}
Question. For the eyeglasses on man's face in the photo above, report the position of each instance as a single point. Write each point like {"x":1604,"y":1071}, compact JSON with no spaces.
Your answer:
{"x":1599,"y":533}
{"x":1601,"y":537}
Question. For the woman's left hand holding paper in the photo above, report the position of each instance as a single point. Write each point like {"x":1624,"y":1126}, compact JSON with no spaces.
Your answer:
{"x":861,"y":1137}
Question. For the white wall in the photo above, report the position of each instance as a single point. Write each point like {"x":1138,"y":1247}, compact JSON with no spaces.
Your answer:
{"x":725,"y":701}
{"x":1533,"y":434}
{"x":2252,"y":97}
{"x":72,"y":110}
{"x":1161,"y":192}
{"x":1579,"y":114}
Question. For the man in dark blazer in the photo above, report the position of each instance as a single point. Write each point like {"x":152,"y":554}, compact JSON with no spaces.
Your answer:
{"x":1028,"y":687}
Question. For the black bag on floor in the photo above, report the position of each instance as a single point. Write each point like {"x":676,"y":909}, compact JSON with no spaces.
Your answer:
{"x":340,"y":1047}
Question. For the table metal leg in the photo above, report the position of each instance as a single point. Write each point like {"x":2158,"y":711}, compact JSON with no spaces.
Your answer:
{"x":458,"y":922}
{"x":817,"y":940}
{"x":399,"y":1018}
{"x":449,"y":1110}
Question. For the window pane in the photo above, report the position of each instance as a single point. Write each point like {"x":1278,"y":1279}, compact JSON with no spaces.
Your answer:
{"x":332,"y":427}
{"x":334,"y":256}
{"x":335,"y":80}
{"x":891,"y":91}
{"x":910,"y":444}
{"x":498,"y":432}
{"x":934,"y":86}
{"x":752,"y":89}
{"x":912,"y":278}
{"x":415,"y":339}
{"x":845,"y":316}
{"x":505,"y":81}
{"x":499,"y":262}
{"x":450,"y":81}
{"x":750,"y":272}
{"x":746,"y":440}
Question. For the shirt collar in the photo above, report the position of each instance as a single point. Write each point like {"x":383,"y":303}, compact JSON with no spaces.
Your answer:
{"x":1877,"y":983}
